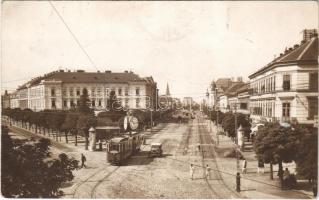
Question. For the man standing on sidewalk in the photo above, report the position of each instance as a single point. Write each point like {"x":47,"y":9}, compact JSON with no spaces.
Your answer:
{"x":207,"y":172}
{"x":191,"y":171}
{"x":244,"y":169}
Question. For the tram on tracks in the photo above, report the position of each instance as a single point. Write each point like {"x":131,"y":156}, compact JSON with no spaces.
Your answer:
{"x":122,"y":147}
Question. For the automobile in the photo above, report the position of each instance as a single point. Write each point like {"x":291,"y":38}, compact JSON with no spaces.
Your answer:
{"x":255,"y":128}
{"x":156,"y":150}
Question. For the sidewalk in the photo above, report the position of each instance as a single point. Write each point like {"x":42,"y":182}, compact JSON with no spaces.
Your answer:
{"x":253,"y":185}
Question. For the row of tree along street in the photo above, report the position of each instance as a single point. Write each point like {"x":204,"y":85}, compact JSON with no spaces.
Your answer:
{"x":77,"y":121}
{"x":276,"y":143}
{"x":29,"y":171}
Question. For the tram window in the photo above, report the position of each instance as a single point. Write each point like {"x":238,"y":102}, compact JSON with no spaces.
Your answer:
{"x":115,"y":147}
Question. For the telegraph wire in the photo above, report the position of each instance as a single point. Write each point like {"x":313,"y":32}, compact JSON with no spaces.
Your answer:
{"x":73,"y":35}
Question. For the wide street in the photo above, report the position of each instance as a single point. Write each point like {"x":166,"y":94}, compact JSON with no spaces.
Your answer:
{"x":164,"y":177}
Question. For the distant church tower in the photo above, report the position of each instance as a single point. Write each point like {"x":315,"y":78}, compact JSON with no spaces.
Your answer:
{"x":167,"y":91}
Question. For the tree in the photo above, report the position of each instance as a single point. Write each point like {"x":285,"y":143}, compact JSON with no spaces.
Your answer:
{"x":228,"y":123}
{"x":29,"y":171}
{"x":84,"y":103}
{"x":275,"y":144}
{"x":307,"y":154}
{"x":69,"y":125}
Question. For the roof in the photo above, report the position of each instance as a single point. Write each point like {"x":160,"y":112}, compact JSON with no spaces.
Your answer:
{"x":232,"y":90}
{"x":89,"y":77}
{"x":305,"y":53}
{"x":156,"y":144}
{"x":223,"y":83}
{"x":118,"y":139}
{"x":243,"y":88}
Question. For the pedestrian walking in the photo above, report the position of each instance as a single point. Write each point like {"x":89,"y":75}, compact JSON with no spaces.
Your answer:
{"x":261,"y":166}
{"x":83,"y":159}
{"x":191,"y":171}
{"x":244,"y":169}
{"x":207,"y":172}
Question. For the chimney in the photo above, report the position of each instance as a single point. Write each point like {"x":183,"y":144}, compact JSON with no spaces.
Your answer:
{"x":286,"y":50}
{"x":108,"y":71}
{"x":309,"y":33}
{"x":290,"y":49}
{"x":125,"y":71}
{"x":281,"y":54}
{"x":296,"y":46}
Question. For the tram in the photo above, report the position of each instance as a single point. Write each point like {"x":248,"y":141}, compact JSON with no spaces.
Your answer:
{"x":121,"y":148}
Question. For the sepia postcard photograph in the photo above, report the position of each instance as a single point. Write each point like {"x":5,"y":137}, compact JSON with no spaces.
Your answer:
{"x":159,"y":99}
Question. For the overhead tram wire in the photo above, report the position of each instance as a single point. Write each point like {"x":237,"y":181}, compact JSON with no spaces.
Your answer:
{"x":73,"y":35}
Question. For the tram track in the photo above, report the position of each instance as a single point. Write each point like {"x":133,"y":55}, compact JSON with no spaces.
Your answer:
{"x":208,"y":151}
{"x":93,"y":190}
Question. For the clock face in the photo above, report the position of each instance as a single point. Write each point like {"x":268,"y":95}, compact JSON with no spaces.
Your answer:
{"x":133,"y":123}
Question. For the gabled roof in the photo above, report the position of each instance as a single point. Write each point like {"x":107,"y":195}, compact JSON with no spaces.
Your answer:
{"x":306,"y":53}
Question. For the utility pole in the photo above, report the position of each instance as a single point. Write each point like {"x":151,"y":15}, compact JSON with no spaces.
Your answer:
{"x":217,"y":134}
{"x":236,"y":133}
{"x":217,"y":120}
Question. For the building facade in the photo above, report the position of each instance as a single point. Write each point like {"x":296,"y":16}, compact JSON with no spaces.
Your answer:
{"x":62,"y":90}
{"x":286,"y":90}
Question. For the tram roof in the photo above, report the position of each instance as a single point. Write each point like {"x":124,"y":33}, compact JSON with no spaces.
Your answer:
{"x":118,"y":139}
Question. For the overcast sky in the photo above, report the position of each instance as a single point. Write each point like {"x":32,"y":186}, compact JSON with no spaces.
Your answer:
{"x":184,"y":44}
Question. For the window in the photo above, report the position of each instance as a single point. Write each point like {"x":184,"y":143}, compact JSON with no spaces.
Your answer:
{"x":126,"y":103}
{"x":71,"y":92}
{"x":120,"y":91}
{"x":100,"y":102}
{"x":286,"y":82}
{"x":137,"y":91}
{"x":126,"y":91}
{"x":137,"y":103}
{"x":98,"y":91}
{"x":78,"y":92}
{"x":274,"y":84}
{"x":286,"y":109}
{"x":92,"y":92}
{"x":93,"y":103}
{"x":107,"y":92}
{"x":313,"y":82}
{"x":71,"y":103}
{"x":65,"y":103}
{"x":312,"y":107}
{"x":52,"y":92}
{"x":78,"y":102}
{"x":53,"y":103}
{"x":243,"y":106}
{"x":64,"y":92}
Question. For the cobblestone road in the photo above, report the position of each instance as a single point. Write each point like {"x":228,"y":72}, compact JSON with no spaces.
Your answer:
{"x":165,"y":177}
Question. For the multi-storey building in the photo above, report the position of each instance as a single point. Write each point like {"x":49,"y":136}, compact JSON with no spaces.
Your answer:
{"x":228,"y":100}
{"x":62,"y":90}
{"x":286,"y":89}
{"x":5,"y":100}
{"x":218,"y":88}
